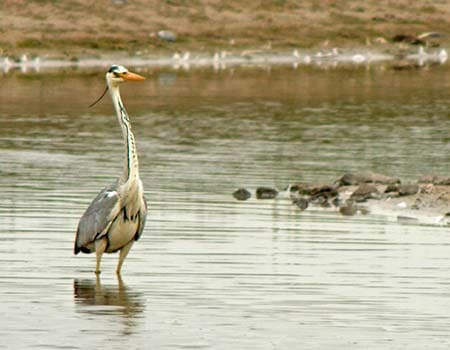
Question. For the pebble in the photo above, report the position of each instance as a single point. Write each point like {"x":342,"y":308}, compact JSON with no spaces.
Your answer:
{"x":266,"y":193}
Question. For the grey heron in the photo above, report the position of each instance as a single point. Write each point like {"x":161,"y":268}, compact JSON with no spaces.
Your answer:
{"x":116,"y":217}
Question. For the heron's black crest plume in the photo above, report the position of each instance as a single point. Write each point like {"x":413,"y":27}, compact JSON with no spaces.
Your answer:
{"x":98,"y":100}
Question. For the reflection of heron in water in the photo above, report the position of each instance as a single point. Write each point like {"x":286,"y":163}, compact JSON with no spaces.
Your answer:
{"x":90,"y":294}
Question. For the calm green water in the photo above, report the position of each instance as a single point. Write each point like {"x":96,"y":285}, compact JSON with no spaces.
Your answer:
{"x":210,"y":272}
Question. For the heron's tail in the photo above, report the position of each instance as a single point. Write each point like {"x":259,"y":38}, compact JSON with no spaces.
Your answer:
{"x":76,"y":249}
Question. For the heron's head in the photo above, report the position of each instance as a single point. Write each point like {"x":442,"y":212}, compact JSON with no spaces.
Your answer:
{"x":115,"y":76}
{"x":119,"y":74}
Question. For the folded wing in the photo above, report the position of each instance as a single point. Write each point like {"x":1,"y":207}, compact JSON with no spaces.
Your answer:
{"x":97,"y":218}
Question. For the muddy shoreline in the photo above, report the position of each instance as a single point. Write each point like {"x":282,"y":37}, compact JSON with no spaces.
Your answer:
{"x":426,"y":201}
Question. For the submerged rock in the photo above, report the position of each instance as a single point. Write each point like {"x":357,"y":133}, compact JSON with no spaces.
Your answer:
{"x":266,"y":193}
{"x":301,"y":203}
{"x":242,"y":194}
{"x":349,"y":208}
{"x":366,"y":177}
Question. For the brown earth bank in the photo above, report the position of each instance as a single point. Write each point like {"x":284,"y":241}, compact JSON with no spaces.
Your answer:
{"x":426,"y":201}
{"x":80,"y":28}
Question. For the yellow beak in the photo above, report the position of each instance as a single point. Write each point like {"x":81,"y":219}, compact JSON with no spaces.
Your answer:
{"x":132,"y":76}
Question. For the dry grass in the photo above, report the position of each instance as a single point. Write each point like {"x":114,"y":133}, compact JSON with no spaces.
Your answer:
{"x":77,"y":27}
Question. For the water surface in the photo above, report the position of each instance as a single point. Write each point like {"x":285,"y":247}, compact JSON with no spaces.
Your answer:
{"x":211,"y":272}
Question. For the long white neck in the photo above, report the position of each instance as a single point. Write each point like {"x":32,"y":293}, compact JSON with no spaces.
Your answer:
{"x":131,"y":168}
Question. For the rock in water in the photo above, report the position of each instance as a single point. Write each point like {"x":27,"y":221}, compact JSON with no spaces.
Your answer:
{"x":326,"y":191}
{"x":266,"y":193}
{"x":408,"y":190}
{"x":242,"y":194}
{"x":316,"y":190}
{"x":402,"y":190}
{"x":301,"y":202}
{"x":349,"y":208}
{"x":365,"y":192}
{"x":366,"y":177}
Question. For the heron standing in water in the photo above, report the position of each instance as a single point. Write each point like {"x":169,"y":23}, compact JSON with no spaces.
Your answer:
{"x":116,"y":217}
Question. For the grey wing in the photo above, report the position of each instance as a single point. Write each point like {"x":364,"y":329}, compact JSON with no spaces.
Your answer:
{"x":142,"y":218}
{"x":97,"y":218}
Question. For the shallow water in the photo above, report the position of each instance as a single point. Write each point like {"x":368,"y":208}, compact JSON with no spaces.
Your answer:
{"x":211,"y":272}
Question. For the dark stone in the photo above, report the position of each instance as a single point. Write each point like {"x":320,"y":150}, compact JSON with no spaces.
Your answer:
{"x":391,"y":188}
{"x":324,"y":191}
{"x":305,"y":189}
{"x":365,"y":192}
{"x":294,"y":188}
{"x":266,"y":193}
{"x":407,"y":38}
{"x":242,"y":194}
{"x":301,"y":202}
{"x":316,"y":190}
{"x":366,"y":177}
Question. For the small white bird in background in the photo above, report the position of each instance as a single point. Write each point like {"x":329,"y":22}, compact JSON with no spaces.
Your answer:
{"x":186,"y":56}
{"x":358,"y":58}
{"x":443,"y":56}
{"x":422,"y":51}
{"x":24,"y":59}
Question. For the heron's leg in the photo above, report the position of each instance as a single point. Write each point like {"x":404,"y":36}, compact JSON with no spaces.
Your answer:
{"x":100,"y":247}
{"x":123,"y":254}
